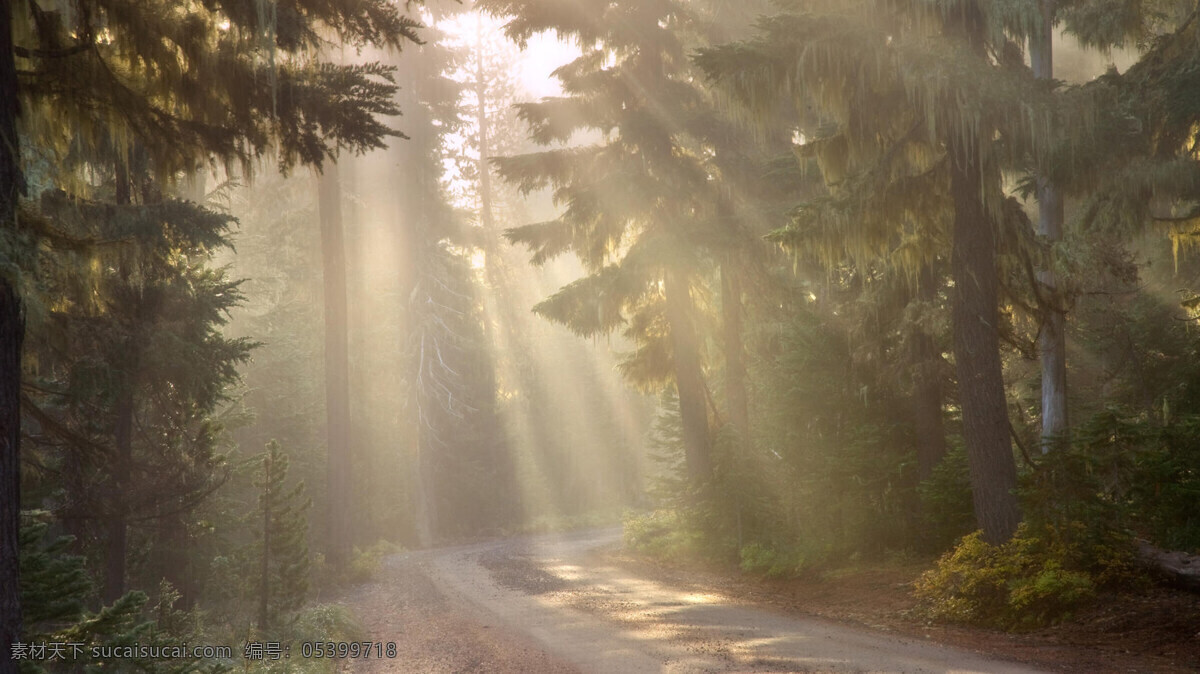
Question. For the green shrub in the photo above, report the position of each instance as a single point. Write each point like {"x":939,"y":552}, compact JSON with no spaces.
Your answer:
{"x":946,"y":508}
{"x":773,"y":562}
{"x":1033,"y":580}
{"x":663,"y":534}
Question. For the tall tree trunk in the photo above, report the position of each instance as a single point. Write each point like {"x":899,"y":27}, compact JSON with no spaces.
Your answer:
{"x":429,"y":529}
{"x":981,"y":394}
{"x":411,"y":216}
{"x":689,"y":380}
{"x":1052,"y":340}
{"x":264,"y":597}
{"x":481,"y":97}
{"x":927,"y":387}
{"x":337,"y":368}
{"x":12,"y":333}
{"x":116,"y":545}
{"x":357,"y":291}
{"x":736,"y":398}
{"x":498,"y":465}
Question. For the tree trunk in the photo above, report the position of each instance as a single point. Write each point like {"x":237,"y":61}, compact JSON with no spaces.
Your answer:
{"x":426,"y":496}
{"x":981,"y":394}
{"x":357,"y":292}
{"x":927,"y":395}
{"x":1052,"y":340}
{"x":736,"y":398}
{"x":264,"y":598}
{"x":689,"y":380}
{"x":12,"y":333}
{"x":485,"y":172}
{"x":337,"y":369}
{"x":116,"y":544}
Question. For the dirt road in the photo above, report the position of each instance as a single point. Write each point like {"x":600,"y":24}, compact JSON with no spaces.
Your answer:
{"x":544,"y":604}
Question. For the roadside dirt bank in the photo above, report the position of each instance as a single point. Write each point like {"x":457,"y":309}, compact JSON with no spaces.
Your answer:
{"x":1157,"y":631}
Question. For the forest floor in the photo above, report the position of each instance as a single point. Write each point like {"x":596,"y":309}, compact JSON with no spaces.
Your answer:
{"x":579,"y":603}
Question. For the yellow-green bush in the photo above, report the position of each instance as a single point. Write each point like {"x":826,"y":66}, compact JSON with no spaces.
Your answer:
{"x":366,"y":562}
{"x":1037,"y":578}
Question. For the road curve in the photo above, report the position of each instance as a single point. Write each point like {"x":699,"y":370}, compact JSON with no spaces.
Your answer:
{"x":570,"y":613}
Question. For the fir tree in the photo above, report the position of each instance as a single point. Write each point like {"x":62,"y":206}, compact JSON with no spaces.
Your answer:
{"x":135,"y":344}
{"x":284,"y":561}
{"x":911,"y":158}
{"x":633,"y":201}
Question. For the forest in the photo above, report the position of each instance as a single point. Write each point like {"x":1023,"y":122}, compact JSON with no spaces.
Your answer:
{"x":779,"y":286}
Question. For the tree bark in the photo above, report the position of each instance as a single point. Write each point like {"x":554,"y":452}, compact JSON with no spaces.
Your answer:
{"x":268,"y":496}
{"x":337,"y":369}
{"x":12,"y":334}
{"x":927,"y":387}
{"x":736,"y":398}
{"x":1052,"y":340}
{"x":357,"y":292}
{"x":116,"y":543}
{"x":689,"y":380}
{"x":485,"y":172}
{"x":990,"y":460}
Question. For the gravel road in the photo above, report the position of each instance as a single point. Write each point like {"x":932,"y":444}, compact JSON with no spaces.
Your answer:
{"x":544,"y":604}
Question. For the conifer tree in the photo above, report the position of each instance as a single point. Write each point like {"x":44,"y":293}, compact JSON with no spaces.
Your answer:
{"x":284,"y":562}
{"x":461,"y":474}
{"x":135,"y":347}
{"x":906,"y":153}
{"x":633,"y":201}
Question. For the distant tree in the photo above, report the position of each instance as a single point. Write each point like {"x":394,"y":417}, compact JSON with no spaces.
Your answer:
{"x":633,"y":201}
{"x":340,"y":519}
{"x":284,"y":563}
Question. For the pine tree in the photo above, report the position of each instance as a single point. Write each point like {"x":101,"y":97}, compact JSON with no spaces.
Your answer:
{"x":128,"y":369}
{"x":632,"y":201}
{"x":912,"y":156}
{"x":283,"y":561}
